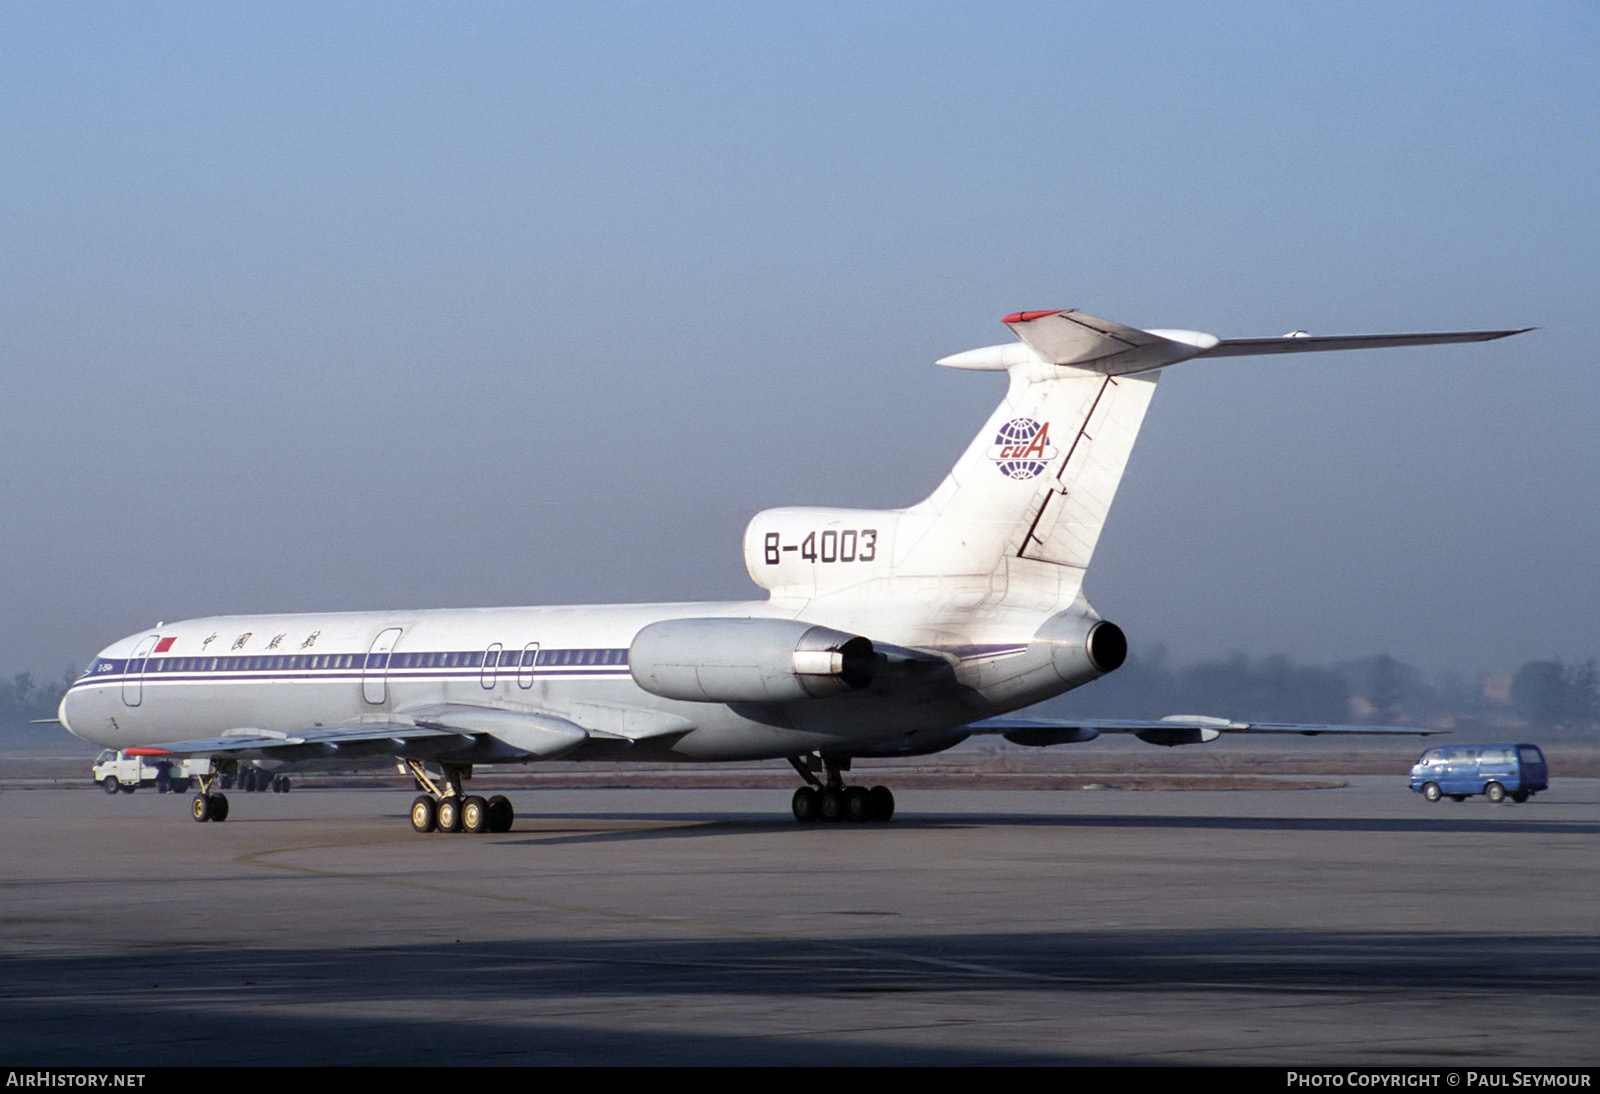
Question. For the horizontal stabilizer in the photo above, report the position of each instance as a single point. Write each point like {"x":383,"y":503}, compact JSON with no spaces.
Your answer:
{"x":1306,"y":343}
{"x":1109,"y":348}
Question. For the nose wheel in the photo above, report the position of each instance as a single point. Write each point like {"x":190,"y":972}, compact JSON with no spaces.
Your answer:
{"x":210,"y":804}
{"x":209,"y":807}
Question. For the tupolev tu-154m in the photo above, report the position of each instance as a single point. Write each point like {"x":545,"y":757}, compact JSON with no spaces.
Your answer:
{"x":897,"y":632}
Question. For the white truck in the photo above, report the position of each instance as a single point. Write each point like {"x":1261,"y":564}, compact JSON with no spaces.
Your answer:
{"x":116,"y":771}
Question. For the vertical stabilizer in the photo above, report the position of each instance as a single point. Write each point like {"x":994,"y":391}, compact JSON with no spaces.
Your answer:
{"x":1023,"y":508}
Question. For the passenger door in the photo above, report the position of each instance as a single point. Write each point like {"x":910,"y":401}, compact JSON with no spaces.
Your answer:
{"x":375,"y":674}
{"x":133,"y":679}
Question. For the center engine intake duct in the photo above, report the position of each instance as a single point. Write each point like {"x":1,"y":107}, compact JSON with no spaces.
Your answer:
{"x":749,"y":660}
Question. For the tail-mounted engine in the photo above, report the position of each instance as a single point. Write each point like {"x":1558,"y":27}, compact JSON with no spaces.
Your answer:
{"x":749,"y":660}
{"x":1082,"y":648}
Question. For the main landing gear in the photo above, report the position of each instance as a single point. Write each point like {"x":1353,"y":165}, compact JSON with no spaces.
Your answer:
{"x":444,"y":809}
{"x":252,"y":781}
{"x":832,"y":800}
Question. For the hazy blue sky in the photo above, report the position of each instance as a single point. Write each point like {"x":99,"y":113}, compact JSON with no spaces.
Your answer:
{"x":341,"y":306}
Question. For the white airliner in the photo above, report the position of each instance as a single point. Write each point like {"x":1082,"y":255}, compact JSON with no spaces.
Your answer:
{"x":894,"y":632}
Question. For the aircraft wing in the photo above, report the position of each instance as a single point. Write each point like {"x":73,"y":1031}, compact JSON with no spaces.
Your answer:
{"x":1175,"y":729}
{"x":492,"y":733}
{"x":320,"y":742}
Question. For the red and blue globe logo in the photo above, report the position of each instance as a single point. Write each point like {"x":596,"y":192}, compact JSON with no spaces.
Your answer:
{"x":1022,"y":448}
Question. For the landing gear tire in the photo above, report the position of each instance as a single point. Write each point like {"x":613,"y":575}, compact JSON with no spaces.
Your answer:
{"x":830,"y":805}
{"x":881,"y":803}
{"x":474,"y":815}
{"x":1495,"y":793}
{"x":450,"y":814}
{"x":500,"y":813}
{"x":424,"y":814}
{"x":857,"y":804}
{"x":209,"y":807}
{"x":110,"y":784}
{"x":1431,"y":792}
{"x":807,"y":805}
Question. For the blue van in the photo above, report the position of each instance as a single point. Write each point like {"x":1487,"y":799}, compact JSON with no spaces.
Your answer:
{"x":1495,"y":771}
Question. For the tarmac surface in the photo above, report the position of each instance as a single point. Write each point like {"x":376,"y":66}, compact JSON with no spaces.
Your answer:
{"x":1358,"y":925}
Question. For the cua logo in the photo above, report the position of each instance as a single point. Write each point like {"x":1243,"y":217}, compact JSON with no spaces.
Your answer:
{"x":1022,"y":448}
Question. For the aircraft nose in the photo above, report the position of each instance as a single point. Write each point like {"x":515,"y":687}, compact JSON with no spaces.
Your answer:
{"x":63,"y":713}
{"x":72,"y":707}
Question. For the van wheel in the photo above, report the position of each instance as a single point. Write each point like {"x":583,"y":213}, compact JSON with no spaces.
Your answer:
{"x":1520,"y":796}
{"x":110,"y":784}
{"x":1495,"y":793}
{"x":1431,"y":791}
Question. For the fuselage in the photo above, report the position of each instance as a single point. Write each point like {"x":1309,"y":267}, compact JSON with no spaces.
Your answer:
{"x":288,"y":673}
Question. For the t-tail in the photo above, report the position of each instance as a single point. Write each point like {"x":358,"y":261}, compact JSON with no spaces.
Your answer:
{"x":1016,"y":522}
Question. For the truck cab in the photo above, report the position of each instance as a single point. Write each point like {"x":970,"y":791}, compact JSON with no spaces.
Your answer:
{"x":118,"y":772}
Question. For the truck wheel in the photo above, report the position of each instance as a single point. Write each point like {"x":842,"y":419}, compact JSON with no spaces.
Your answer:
{"x":110,"y":784}
{"x":1431,"y":791}
{"x":1495,"y":793}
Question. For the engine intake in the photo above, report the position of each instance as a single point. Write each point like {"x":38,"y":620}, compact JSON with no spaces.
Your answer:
{"x":749,"y":660}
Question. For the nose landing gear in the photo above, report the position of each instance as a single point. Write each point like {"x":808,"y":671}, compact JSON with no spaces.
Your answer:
{"x":209,"y":804}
